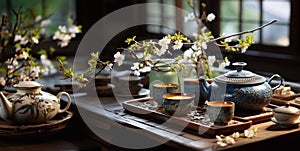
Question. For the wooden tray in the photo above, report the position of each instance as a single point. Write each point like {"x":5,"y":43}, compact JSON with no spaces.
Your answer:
{"x":286,"y":97}
{"x":264,"y":116}
{"x":53,"y":126}
{"x":281,"y":102}
{"x":135,"y":106}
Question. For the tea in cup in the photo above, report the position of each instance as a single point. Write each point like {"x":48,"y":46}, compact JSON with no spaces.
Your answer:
{"x":178,"y":104}
{"x":161,"y":89}
{"x":219,"y":112}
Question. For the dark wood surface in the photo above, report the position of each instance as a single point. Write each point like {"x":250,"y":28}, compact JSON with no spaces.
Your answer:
{"x":270,"y":136}
{"x":108,"y":114}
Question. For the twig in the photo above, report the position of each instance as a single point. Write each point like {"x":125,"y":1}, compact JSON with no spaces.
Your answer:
{"x":245,"y":32}
{"x":3,"y":23}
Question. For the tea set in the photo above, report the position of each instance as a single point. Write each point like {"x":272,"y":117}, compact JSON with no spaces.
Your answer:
{"x":240,"y":91}
{"x":235,"y":93}
{"x":31,"y":105}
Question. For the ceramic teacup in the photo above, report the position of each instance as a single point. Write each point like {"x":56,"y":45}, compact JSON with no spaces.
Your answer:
{"x":161,"y":89}
{"x":178,"y":104}
{"x":220,"y":112}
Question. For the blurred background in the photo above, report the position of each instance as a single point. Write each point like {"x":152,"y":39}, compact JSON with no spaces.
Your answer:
{"x":275,"y":50}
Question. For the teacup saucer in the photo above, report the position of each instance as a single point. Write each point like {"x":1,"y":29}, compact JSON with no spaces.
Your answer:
{"x":285,"y":123}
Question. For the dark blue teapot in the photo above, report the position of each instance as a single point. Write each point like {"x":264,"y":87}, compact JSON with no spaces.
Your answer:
{"x":250,"y":92}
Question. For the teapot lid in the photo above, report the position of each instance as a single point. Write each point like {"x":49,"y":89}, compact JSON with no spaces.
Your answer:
{"x":240,"y":76}
{"x":287,"y":109}
{"x":28,"y":84}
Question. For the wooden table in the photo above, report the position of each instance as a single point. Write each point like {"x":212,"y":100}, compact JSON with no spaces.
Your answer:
{"x":109,"y":114}
{"x":108,"y":118}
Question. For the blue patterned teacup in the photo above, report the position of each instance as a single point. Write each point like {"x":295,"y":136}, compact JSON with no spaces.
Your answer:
{"x":178,"y":104}
{"x":219,"y":112}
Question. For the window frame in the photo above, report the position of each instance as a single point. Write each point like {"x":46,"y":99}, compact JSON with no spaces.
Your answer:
{"x":291,"y":49}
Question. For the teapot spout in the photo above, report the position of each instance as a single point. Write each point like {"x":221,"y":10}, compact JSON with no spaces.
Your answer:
{"x":6,"y":109}
{"x":205,"y":89}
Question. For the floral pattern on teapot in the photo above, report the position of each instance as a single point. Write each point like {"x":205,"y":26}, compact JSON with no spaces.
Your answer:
{"x":31,"y":105}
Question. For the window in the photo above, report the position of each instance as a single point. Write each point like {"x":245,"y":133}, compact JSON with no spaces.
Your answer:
{"x":240,"y":15}
{"x":167,"y":16}
{"x":58,"y":11}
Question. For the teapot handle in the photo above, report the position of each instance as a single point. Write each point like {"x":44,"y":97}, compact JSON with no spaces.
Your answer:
{"x":272,"y":78}
{"x":59,"y":95}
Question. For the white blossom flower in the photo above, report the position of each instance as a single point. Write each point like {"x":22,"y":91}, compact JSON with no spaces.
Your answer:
{"x":35,"y":71}
{"x":219,"y":138}
{"x":135,"y":66}
{"x":164,"y":42}
{"x":229,"y":39}
{"x":235,"y":135}
{"x":211,"y":17}
{"x":197,"y":53}
{"x":35,"y":40}
{"x":222,"y":65}
{"x":229,"y":140}
{"x":108,"y":67}
{"x":62,"y":29}
{"x":44,"y":60}
{"x":24,"y":55}
{"x":12,"y":62}
{"x":227,"y":62}
{"x":145,"y":69}
{"x":249,"y":133}
{"x":24,"y":41}
{"x":178,"y":44}
{"x":187,"y":55}
{"x":56,"y":35}
{"x":17,"y":38}
{"x":244,"y":49}
{"x":45,"y":23}
{"x":196,"y":47}
{"x":211,"y":60}
{"x":204,"y":45}
{"x":222,"y":144}
{"x":136,"y":72}
{"x":2,"y":81}
{"x":63,"y":43}
{"x":38,"y":18}
{"x":65,"y":37}
{"x":49,"y":68}
{"x":74,"y":29}
{"x":189,"y":17}
{"x":119,"y":58}
{"x":162,"y":50}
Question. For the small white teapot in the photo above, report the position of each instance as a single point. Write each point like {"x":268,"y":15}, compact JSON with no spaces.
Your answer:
{"x":31,"y":105}
{"x":286,"y":114}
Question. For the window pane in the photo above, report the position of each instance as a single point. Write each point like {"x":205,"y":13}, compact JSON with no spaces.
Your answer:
{"x":278,"y":38}
{"x":230,"y":9}
{"x":58,"y":11}
{"x":277,"y":10}
{"x":229,"y":27}
{"x":249,"y":26}
{"x":34,"y":5}
{"x":251,"y":10}
{"x":2,"y":7}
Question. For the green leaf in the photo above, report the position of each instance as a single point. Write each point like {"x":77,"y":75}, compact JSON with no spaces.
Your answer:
{"x":25,"y":108}
{"x":42,"y":52}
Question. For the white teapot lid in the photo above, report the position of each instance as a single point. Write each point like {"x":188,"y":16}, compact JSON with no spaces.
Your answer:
{"x":28,"y":84}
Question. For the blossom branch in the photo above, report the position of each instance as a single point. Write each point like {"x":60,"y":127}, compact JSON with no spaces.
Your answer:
{"x":244,"y":32}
